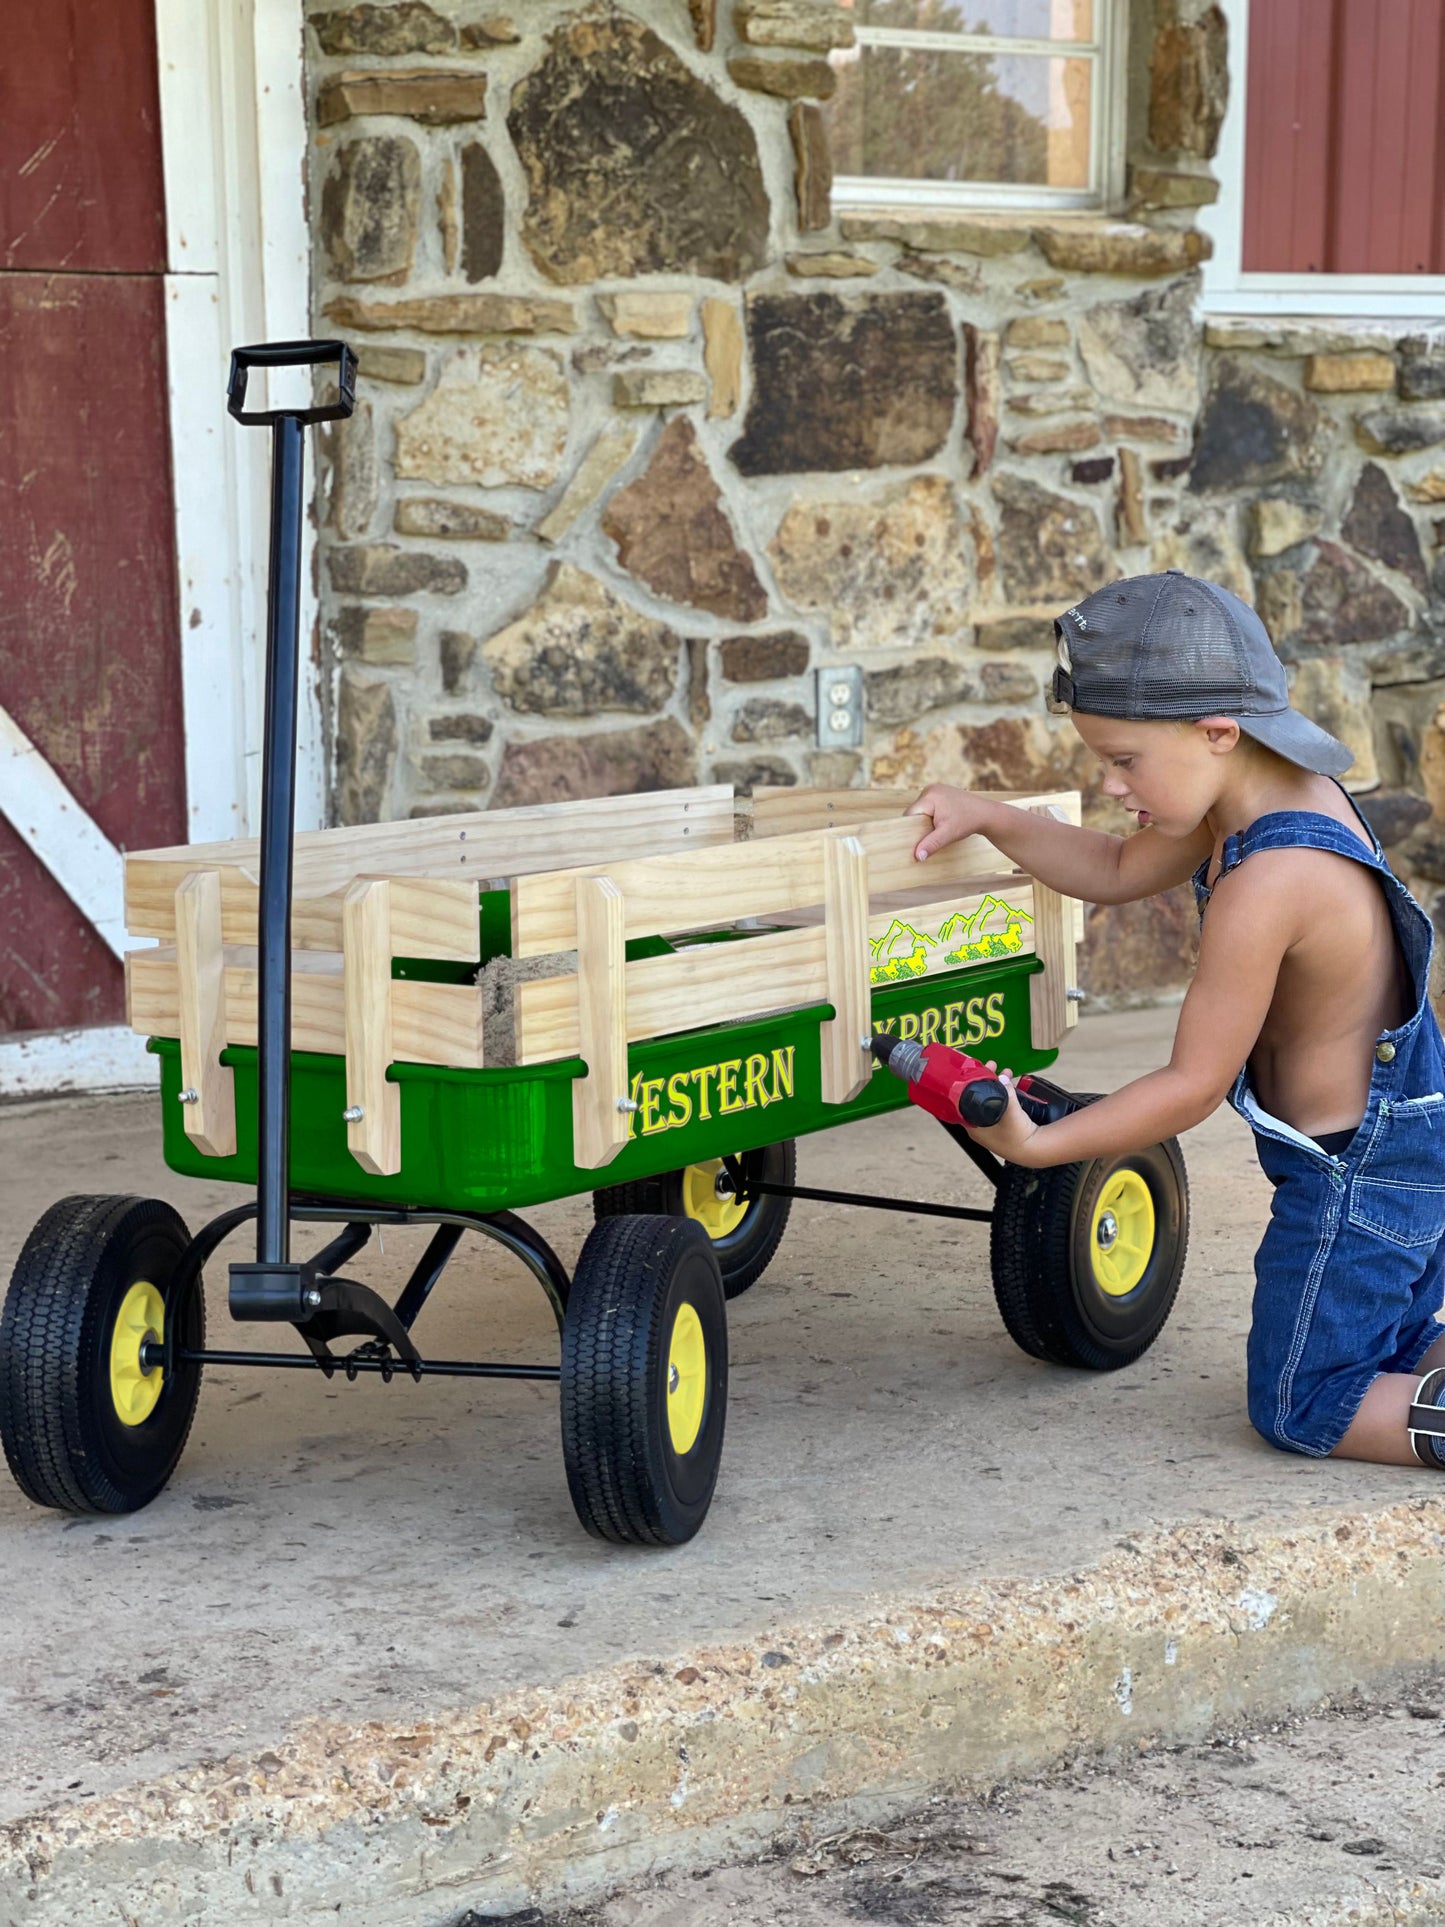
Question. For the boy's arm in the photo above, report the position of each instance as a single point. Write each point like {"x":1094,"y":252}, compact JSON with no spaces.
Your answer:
{"x":1077,"y":863}
{"x":1252,"y":922}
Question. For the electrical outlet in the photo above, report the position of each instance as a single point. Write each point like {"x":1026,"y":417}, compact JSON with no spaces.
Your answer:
{"x":840,"y":707}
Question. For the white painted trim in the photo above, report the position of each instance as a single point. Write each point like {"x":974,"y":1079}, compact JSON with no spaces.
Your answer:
{"x":234,"y":145}
{"x":61,"y":834}
{"x":47,"y":1063}
{"x":1228,"y":289}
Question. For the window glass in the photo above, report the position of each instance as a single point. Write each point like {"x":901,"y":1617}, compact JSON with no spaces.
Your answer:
{"x":1011,"y":19}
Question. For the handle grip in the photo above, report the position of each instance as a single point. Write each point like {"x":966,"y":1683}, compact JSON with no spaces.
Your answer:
{"x":982,"y":1102}
{"x":292,"y":354}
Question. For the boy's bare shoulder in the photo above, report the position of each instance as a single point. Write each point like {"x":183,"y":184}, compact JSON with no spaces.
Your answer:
{"x":1296,"y":891}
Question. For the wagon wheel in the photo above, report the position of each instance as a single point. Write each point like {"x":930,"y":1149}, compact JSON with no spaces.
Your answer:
{"x":744,"y":1236}
{"x":644,"y":1380}
{"x":1087,"y":1257}
{"x":87,"y":1424}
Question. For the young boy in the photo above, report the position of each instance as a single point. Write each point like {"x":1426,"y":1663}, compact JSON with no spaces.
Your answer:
{"x":1313,"y":971}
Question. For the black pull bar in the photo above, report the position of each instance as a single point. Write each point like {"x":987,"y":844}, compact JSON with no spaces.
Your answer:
{"x":292,"y":354}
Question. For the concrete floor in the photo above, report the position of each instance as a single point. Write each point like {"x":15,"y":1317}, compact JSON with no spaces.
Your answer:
{"x":383,"y":1552}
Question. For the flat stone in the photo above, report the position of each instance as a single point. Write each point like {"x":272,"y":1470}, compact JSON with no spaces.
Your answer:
{"x":1017,"y":632}
{"x":1171,"y":467}
{"x":939,"y":233}
{"x":1277,"y":524}
{"x":1341,"y":601}
{"x":1143,"y":428}
{"x":1009,"y":753}
{"x":1036,"y":368}
{"x":1322,"y":336}
{"x":1377,"y":525}
{"x":633,"y":164}
{"x":369,"y":208}
{"x":1145,"y":351}
{"x":1064,"y":438}
{"x":1393,"y":814}
{"x":672,"y":533}
{"x":1417,"y":660}
{"x":1254,"y":430}
{"x":704,"y":23}
{"x":1334,"y":691}
{"x":1122,"y":247}
{"x":783,"y":78}
{"x":409,"y":28}
{"x":1400,"y":431}
{"x":812,"y":167}
{"x":1054,"y":401}
{"x":1422,"y":377}
{"x":889,"y":570}
{"x":436,"y":96}
{"x":498,"y":416}
{"x":1189,"y":84}
{"x":817,"y":25}
{"x":1347,"y":374}
{"x":435,"y":516}
{"x":1097,"y":468}
{"x":1047,"y":288}
{"x":365,"y":747}
{"x":381,"y":568}
{"x":457,"y":772}
{"x":942,"y":269}
{"x":1204,"y":541}
{"x":833,"y":769}
{"x":457,"y":651}
{"x":764,"y":658}
{"x":981,"y":393}
{"x":484,"y":214}
{"x":463,"y":727}
{"x":722,"y":356}
{"x":1429,"y":487}
{"x":580,"y":650}
{"x":355,"y":473}
{"x":658,"y":388}
{"x":497,"y":31}
{"x":1037,"y":331}
{"x":1159,"y":187}
{"x":831,"y":266}
{"x":623,"y":762}
{"x":603,"y":459}
{"x":757,"y":773}
{"x":845,"y":384}
{"x":1050,"y":549}
{"x":404,"y":366}
{"x":378,"y":636}
{"x":449,"y":219}
{"x":1135,"y":952}
{"x":763,"y":719}
{"x":459,"y":314}
{"x":1133,"y":529}
{"x":648,"y":316}
{"x":909,"y":690}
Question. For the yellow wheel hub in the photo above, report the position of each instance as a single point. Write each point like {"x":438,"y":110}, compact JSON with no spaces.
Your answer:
{"x":717,"y":1211}
{"x":686,"y":1379}
{"x":1121,"y":1239}
{"x":134,"y":1390}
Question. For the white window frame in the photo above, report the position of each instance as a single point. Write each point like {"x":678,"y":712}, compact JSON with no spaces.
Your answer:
{"x":1228,"y":289}
{"x":1106,"y":124}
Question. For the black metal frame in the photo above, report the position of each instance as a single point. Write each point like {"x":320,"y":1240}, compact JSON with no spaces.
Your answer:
{"x":311,"y":1295}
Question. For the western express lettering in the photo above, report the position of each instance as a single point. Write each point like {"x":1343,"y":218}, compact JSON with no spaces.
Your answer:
{"x":735,"y":1084}
{"x":972,"y":1020}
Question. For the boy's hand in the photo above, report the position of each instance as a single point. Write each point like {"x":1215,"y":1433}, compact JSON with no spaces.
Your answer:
{"x":955,"y":815}
{"x":1013,"y":1136}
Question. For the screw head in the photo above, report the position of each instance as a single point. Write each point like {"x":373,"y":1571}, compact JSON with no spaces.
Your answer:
{"x":312,"y":1298}
{"x":673,"y":1378}
{"x":626,"y":1104}
{"x":1108,"y":1230}
{"x":353,"y":1114}
{"x":189,"y":1097}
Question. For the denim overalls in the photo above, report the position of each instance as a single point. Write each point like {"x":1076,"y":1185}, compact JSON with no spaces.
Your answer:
{"x":1351,"y":1271}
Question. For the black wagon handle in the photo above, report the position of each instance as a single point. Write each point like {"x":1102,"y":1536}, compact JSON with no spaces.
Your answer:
{"x":292,"y":354}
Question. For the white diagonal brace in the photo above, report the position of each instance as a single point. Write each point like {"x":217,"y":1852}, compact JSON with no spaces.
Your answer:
{"x":65,"y":838}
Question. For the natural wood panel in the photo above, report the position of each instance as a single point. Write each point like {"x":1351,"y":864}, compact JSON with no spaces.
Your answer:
{"x":1052,"y":1012}
{"x":726,"y":983}
{"x":430,"y":917}
{"x":210,"y":1116}
{"x":785,"y":812}
{"x":599,"y":1125}
{"x":846,"y":1061}
{"x":373,"y":1121}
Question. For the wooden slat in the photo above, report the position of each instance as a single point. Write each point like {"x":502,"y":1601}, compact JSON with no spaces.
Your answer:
{"x":373,"y":1129}
{"x":847,"y":1063}
{"x":478,"y":844}
{"x":1052,"y":1012}
{"x":784,"y":812}
{"x":430,"y":1023}
{"x":599,"y":1125}
{"x":210,"y":1086}
{"x":431,"y":917}
{"x":665,"y":894}
{"x":720,"y":983}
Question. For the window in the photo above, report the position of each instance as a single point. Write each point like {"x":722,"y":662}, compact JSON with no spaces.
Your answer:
{"x":976,"y":103}
{"x":1332,"y":164}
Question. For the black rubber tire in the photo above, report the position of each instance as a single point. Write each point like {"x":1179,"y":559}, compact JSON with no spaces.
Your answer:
{"x":64,"y":1441}
{"x":1043,"y":1277}
{"x":628,"y":1483}
{"x":745,"y":1254}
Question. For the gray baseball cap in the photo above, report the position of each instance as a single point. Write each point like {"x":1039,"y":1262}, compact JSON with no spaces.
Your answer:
{"x":1170,"y":646}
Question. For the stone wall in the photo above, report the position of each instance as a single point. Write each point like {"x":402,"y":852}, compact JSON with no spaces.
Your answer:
{"x":650,"y":431}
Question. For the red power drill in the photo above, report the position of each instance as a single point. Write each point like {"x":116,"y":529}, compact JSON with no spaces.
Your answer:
{"x":956,"y":1087}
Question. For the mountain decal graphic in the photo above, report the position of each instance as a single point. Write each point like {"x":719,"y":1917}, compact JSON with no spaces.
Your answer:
{"x":994,"y":929}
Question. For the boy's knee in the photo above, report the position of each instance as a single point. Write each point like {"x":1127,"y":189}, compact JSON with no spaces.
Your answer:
{"x":1313,"y":1432}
